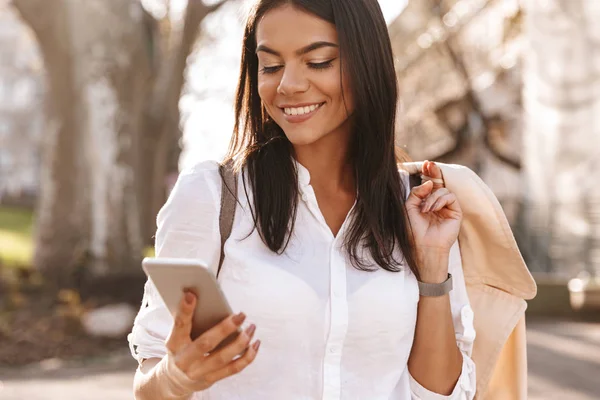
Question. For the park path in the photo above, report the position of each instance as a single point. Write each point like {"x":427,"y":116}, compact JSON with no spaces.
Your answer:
{"x":564,"y":363}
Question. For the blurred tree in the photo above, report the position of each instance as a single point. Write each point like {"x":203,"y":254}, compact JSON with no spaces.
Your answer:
{"x":115,"y":75}
{"x":562,"y":136}
{"x":440,"y":9}
{"x":21,"y":118}
{"x":458,"y":64}
{"x":441,"y":37}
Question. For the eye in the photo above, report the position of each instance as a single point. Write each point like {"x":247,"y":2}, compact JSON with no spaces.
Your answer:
{"x":270,"y":70}
{"x":321,"y":65}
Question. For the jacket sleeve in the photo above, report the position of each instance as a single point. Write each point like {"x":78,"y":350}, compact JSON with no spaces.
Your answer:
{"x":462,"y":316}
{"x":187,"y":227}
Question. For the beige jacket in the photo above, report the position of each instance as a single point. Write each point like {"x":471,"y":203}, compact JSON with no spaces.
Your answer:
{"x":498,"y":283}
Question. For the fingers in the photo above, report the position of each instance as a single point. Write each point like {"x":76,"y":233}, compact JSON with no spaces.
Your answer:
{"x":182,"y":326}
{"x":236,"y":366}
{"x":432,"y":199}
{"x":224,"y":356}
{"x":418,"y":194}
{"x":432,"y":170}
{"x":447,"y":202}
{"x":206,"y":342}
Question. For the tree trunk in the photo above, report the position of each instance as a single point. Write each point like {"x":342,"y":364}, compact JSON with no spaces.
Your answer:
{"x":88,"y":216}
{"x":562,"y":138}
{"x":113,"y":131}
{"x":162,"y":129}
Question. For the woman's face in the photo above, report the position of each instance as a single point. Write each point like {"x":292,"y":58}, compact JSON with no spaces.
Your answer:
{"x":299,"y":75}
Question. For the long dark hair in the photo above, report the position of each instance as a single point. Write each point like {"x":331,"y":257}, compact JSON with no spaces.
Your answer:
{"x":380,"y":221}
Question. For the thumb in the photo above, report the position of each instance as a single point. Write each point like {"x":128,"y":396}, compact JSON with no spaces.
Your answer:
{"x":419,"y":193}
{"x":182,"y":326}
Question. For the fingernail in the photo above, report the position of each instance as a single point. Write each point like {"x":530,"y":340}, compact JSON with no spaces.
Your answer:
{"x":189,"y":298}
{"x":238,"y":319}
{"x":256,"y":345}
{"x":251,"y":329}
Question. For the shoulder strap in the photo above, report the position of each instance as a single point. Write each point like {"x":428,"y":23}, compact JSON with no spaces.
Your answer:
{"x":228,"y":205}
{"x":414,"y":180}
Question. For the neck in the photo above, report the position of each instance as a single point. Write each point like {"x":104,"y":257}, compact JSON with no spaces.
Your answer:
{"x":328,"y":163}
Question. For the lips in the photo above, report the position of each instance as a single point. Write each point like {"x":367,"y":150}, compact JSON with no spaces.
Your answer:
{"x":300,"y":111}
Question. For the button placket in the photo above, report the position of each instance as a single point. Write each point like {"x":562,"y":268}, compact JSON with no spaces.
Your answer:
{"x":338,"y":325}
{"x":310,"y":200}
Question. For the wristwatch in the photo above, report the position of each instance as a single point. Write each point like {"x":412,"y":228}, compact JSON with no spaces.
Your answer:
{"x":435,"y":289}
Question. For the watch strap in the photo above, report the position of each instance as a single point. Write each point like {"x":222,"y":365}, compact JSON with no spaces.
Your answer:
{"x":435,"y":289}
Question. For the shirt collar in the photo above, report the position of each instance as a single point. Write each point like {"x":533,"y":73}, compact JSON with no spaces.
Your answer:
{"x":303,"y":175}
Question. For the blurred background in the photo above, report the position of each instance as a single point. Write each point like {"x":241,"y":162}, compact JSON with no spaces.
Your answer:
{"x":103,"y":102}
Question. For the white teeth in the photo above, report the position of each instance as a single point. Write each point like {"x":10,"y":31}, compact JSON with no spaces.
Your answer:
{"x":301,"y":110}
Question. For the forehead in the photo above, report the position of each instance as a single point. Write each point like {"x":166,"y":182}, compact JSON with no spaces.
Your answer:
{"x":289,"y":28}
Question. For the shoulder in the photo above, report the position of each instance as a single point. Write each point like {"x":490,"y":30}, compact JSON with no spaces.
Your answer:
{"x":196,"y":192}
{"x":197,"y":181}
{"x":404,"y":172}
{"x":207,"y":171}
{"x":188,"y":223}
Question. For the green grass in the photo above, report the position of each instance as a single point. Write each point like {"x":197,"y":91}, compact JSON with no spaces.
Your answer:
{"x":16,"y":240}
{"x":16,"y":243}
{"x":149,"y":251}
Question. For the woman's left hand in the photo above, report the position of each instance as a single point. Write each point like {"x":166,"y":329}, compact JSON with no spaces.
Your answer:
{"x":435,"y":216}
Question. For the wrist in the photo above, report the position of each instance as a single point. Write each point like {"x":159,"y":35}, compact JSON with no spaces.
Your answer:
{"x":433,"y":265}
{"x":433,"y":277}
{"x":173,"y":383}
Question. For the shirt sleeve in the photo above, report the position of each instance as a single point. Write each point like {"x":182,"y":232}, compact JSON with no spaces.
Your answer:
{"x":187,"y":227}
{"x":462,"y":316}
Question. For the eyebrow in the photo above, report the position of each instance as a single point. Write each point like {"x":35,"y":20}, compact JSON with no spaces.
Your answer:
{"x":306,"y":49}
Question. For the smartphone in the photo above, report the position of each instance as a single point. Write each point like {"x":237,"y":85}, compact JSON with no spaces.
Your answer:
{"x":172,"y":276}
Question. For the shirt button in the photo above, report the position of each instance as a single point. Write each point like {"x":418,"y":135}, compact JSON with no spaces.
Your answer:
{"x":304,"y":197}
{"x":467,"y":313}
{"x":333,"y":350}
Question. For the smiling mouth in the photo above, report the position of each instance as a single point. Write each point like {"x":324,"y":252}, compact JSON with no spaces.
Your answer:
{"x":298,"y":111}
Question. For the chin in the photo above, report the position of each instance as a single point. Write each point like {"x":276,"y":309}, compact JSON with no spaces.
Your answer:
{"x":302,"y":138}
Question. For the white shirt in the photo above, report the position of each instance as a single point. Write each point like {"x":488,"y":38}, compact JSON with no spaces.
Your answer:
{"x":328,"y":330}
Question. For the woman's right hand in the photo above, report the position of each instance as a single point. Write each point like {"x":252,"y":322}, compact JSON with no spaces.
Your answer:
{"x":196,"y":359}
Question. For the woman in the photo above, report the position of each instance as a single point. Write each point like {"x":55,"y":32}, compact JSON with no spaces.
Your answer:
{"x":332,"y":260}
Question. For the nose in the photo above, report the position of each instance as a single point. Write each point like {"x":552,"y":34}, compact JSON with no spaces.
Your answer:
{"x":292,"y":81}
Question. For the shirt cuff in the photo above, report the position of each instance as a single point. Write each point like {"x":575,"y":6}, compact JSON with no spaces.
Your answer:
{"x":143,"y":347}
{"x":464,"y":389}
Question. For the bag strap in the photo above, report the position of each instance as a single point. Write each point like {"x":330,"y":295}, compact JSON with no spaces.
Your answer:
{"x":414,"y":180}
{"x":229,"y":181}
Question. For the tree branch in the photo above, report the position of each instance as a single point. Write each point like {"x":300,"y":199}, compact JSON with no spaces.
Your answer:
{"x":39,"y":22}
{"x":494,"y":144}
{"x":216,"y":6}
{"x":477,"y":107}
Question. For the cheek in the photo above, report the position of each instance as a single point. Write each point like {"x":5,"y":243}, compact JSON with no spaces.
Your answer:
{"x":267,"y":91}
{"x":341,"y":95}
{"x":267,"y":87}
{"x":263,"y":90}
